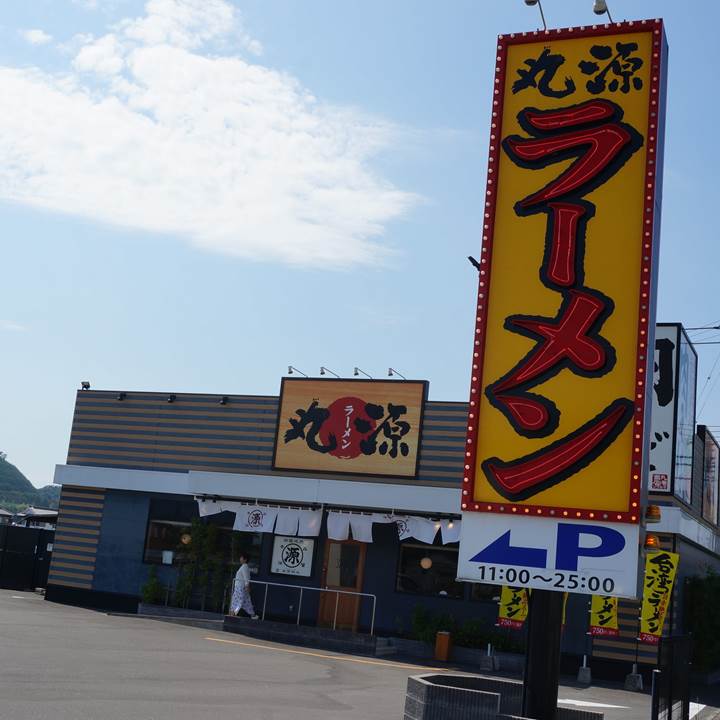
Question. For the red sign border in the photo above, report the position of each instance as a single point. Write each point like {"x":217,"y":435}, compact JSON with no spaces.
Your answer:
{"x":648,"y":272}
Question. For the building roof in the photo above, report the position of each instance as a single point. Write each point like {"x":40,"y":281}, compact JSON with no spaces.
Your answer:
{"x":38,"y":512}
{"x":185,"y":432}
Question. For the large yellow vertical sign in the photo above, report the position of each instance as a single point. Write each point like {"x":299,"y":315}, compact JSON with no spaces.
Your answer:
{"x":565,"y":310}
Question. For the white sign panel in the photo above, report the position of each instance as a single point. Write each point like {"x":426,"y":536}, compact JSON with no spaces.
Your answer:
{"x":292,"y":556}
{"x":664,"y":402}
{"x":550,"y":554}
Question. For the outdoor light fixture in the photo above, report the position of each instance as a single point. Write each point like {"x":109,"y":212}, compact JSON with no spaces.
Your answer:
{"x":186,"y":538}
{"x":451,"y":524}
{"x":324,"y":370}
{"x":224,"y":400}
{"x":121,"y":396}
{"x":393,"y":371}
{"x":426,"y":563}
{"x":357,"y":371}
{"x":171,"y":398}
{"x":652,"y":514}
{"x":85,"y":385}
{"x":600,"y":8}
{"x":292,"y":370}
{"x":652,"y":542}
{"x":531,"y":3}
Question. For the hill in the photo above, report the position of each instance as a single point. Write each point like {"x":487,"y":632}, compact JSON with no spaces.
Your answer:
{"x":17,"y":492}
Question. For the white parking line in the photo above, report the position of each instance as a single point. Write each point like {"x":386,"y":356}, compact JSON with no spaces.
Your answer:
{"x":587,"y":703}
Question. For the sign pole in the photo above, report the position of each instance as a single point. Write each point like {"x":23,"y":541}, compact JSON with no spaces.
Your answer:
{"x":542,"y":657}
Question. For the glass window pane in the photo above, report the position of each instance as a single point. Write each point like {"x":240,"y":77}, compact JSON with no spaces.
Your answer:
{"x":166,"y":536}
{"x":489,"y":593}
{"x":343,"y":565}
{"x":349,"y":561}
{"x":429,"y":570}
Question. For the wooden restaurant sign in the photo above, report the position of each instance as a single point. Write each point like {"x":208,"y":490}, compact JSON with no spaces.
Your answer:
{"x":360,"y":427}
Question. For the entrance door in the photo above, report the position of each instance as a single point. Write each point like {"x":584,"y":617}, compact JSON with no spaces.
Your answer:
{"x":343,"y":569}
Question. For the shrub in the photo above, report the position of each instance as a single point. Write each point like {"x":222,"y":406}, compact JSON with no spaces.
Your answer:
{"x":701,"y":620}
{"x":152,"y":590}
{"x":471,"y":633}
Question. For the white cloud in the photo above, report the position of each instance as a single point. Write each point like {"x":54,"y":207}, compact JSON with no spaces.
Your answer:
{"x":36,"y":37}
{"x":151,"y":128}
{"x":10,"y":326}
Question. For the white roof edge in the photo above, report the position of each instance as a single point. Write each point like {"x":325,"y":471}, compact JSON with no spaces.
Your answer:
{"x":278,"y":488}
{"x":679,"y":522}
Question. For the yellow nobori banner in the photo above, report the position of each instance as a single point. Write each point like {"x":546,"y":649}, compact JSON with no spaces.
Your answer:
{"x":660,"y":570}
{"x":567,"y":275}
{"x":604,"y":616}
{"x":513,"y":608}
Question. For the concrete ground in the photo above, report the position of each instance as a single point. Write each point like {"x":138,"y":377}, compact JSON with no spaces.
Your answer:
{"x":65,"y":663}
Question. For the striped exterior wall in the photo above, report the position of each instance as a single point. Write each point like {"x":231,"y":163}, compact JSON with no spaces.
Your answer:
{"x":76,"y":537}
{"x":145,"y":432}
{"x":624,"y":646}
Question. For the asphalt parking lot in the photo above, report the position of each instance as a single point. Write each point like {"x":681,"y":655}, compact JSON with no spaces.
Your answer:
{"x":67,"y":663}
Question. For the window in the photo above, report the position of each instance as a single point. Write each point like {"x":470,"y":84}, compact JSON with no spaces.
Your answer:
{"x":167,"y":542}
{"x":428,"y":570}
{"x":488,"y":593}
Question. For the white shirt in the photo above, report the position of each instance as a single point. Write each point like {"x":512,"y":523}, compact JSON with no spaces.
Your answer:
{"x":243,"y":575}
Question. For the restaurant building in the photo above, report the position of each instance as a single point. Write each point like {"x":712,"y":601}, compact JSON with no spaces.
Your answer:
{"x":340,"y":484}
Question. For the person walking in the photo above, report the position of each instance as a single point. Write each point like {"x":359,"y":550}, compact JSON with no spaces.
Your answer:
{"x":241,"y":599}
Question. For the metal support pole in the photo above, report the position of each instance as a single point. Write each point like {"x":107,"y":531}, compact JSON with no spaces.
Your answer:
{"x":654,"y":699}
{"x":299,"y":605}
{"x":265,"y":600}
{"x":372,"y":621}
{"x":167,"y":595}
{"x":337,"y":600}
{"x":542,"y":657}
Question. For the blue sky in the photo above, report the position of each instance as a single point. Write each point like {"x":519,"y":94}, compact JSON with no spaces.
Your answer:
{"x":196,"y":193}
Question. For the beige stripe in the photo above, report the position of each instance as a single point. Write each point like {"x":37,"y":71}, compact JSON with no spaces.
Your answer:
{"x":65,"y":520}
{"x":430,"y":443}
{"x":168,"y":423}
{"x":63,"y":527}
{"x":113,"y":437}
{"x":156,"y":457}
{"x":143,"y":449}
{"x":75,"y":495}
{"x":85,"y":541}
{"x":83,"y":504}
{"x":64,"y":532}
{"x":73,"y":574}
{"x":90,"y":557}
{"x":67,"y":546}
{"x":451,"y":464}
{"x":445,"y":434}
{"x":170,"y":410}
{"x":92,"y":426}
{"x":84,"y":511}
{"x":210,"y":401}
{"x":61,"y":582}
{"x":65,"y":511}
{"x":625,"y":658}
{"x":76,"y":566}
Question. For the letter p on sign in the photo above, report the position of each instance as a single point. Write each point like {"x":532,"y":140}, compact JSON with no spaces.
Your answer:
{"x":573,"y":542}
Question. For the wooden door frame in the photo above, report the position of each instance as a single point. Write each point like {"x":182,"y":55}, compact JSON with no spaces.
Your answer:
{"x":360,"y":574}
{"x":361,"y":561}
